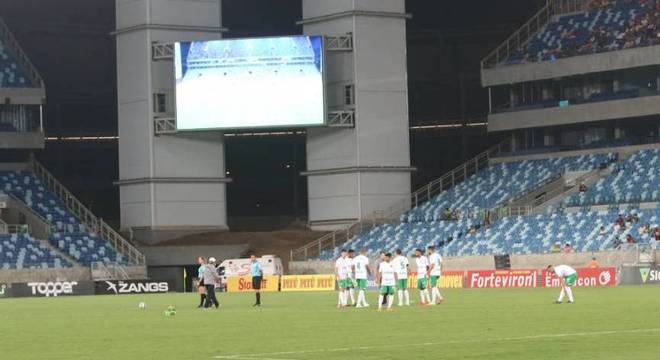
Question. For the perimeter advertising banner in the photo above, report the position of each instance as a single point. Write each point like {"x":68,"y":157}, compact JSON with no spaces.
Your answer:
{"x":640,"y":275}
{"x":586,"y":277}
{"x":52,"y":288}
{"x":124,"y":287}
{"x":448,"y":280}
{"x":502,"y":279}
{"x":244,"y":283}
{"x":323,"y":282}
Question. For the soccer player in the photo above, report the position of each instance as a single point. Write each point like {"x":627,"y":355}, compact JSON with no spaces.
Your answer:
{"x":257,"y":276}
{"x":342,"y":277}
{"x":567,"y":278}
{"x":435,"y":270}
{"x":201,"y":289}
{"x":351,"y":275}
{"x":422,"y":276}
{"x":400,"y":264}
{"x":362,"y":272}
{"x":386,"y":281}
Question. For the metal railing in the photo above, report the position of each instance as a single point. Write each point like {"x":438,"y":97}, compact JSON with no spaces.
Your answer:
{"x":519,"y":39}
{"x":80,"y":211}
{"x":102,"y":271}
{"x":394,"y":212}
{"x":21,"y":59}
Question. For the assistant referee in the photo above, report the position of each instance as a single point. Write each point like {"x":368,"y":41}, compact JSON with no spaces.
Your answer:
{"x":257,"y":276}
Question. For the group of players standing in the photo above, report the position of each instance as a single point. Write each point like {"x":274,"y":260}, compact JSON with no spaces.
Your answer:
{"x":391,"y":276}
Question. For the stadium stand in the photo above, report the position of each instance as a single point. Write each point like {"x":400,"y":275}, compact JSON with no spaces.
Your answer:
{"x":10,"y":73}
{"x":606,"y":26}
{"x":500,"y":182}
{"x":20,"y":251}
{"x":634,"y":180}
{"x":67,"y":232}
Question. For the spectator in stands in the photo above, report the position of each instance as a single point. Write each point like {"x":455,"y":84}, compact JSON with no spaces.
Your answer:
{"x":630,"y":239}
{"x":632,"y":218}
{"x":644,"y":229}
{"x":583,"y":187}
{"x":620,"y":223}
{"x":568,"y":248}
{"x":593,"y":264}
{"x":602,"y":231}
{"x":617,"y":243}
{"x":656,"y":233}
{"x":556,"y":248}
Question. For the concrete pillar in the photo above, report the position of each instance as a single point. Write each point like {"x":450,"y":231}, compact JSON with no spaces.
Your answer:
{"x":354,"y":172}
{"x":169,"y":185}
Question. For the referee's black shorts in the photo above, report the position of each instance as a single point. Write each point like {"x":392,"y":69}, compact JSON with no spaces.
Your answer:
{"x":256,"y":282}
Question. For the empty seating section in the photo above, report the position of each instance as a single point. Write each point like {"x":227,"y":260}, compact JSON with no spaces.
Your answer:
{"x":501,"y":182}
{"x":20,"y":251}
{"x":635,"y":180}
{"x":11,"y":75}
{"x":610,"y":26}
{"x":509,"y":235}
{"x":632,"y":181}
{"x":67,"y":232}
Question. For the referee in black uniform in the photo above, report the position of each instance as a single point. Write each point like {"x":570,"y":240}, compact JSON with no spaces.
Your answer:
{"x":257,"y":276}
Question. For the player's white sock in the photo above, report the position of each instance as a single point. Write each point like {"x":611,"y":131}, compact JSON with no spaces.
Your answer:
{"x":569,"y":292}
{"x":425,"y":296}
{"x":438,"y":296}
{"x":399,"y":294}
{"x":406,"y":296}
{"x":339,"y":302}
{"x":360,"y":298}
{"x":351,"y":292}
{"x":561,"y":295}
{"x":390,"y":300}
{"x":433,"y":296}
{"x":380,"y":302}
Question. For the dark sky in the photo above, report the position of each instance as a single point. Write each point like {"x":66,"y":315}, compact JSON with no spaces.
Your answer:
{"x":69,"y":42}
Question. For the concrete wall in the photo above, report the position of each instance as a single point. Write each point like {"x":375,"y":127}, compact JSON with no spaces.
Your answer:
{"x":573,"y":114}
{"x":187,"y":255}
{"x":487,"y":262}
{"x":64,"y":274}
{"x":576,"y":65}
{"x":167,"y":183}
{"x":354,"y":172}
{"x":22,"y":140}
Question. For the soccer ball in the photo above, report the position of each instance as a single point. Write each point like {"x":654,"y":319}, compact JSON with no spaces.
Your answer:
{"x":142,"y":305}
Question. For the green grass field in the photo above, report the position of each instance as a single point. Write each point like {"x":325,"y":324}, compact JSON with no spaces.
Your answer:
{"x":605,"y":323}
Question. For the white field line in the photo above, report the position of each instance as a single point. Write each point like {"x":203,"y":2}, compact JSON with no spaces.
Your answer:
{"x":265,"y":356}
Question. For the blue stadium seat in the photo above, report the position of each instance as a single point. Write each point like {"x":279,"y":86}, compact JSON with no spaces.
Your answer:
{"x":20,"y":251}
{"x":11,"y":75}
{"x":68,"y":233}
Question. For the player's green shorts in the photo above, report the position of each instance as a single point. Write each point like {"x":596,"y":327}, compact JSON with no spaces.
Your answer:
{"x":434,"y":280}
{"x":387,"y":290}
{"x":361,"y":284}
{"x":422,"y":284}
{"x":402,"y":284}
{"x":571,"y":279}
{"x":344,"y":283}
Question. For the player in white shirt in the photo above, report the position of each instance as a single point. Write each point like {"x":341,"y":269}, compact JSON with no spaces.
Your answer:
{"x":351,"y":275}
{"x":362,"y":272}
{"x":386,"y":281}
{"x":567,"y":278}
{"x":435,"y":270}
{"x":341,"y":271}
{"x":422,"y":263}
{"x":401,"y":264}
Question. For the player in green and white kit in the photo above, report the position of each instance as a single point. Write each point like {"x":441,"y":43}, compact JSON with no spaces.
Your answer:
{"x":351,"y":275}
{"x":422,"y":276}
{"x":567,"y":278}
{"x":386,"y":280}
{"x":362,"y":272}
{"x":435,"y":270}
{"x":401,"y":264}
{"x":341,"y":271}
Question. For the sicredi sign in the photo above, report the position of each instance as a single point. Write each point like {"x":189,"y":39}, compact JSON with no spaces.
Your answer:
{"x":640,"y":275}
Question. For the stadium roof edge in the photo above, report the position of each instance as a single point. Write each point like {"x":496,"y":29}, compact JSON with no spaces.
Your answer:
{"x":343,"y":14}
{"x":168,"y":27}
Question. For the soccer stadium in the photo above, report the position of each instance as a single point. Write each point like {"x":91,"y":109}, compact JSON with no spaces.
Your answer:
{"x":329,"y":179}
